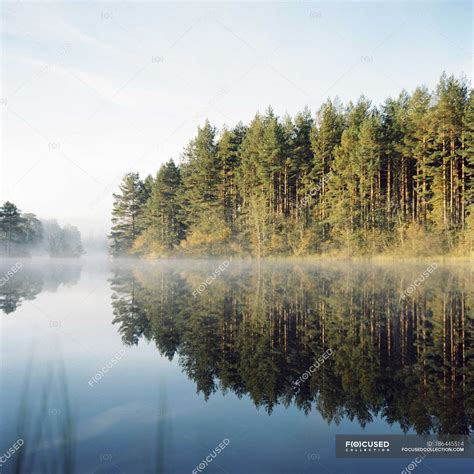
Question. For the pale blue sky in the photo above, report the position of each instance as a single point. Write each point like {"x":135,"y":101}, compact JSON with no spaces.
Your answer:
{"x":91,"y":91}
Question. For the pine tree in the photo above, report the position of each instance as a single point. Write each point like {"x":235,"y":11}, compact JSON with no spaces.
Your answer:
{"x":418,"y":141}
{"x":344,"y":187}
{"x":326,"y":135}
{"x":395,"y":114}
{"x":467,"y":172}
{"x":18,"y":232}
{"x":229,"y":158}
{"x":203,"y":199}
{"x":299,"y":160}
{"x":451,"y":99}
{"x":201,"y":178}
{"x":32,"y":229}
{"x":369,"y":165}
{"x":126,"y":212}
{"x":162,"y":209}
{"x":250,"y":181}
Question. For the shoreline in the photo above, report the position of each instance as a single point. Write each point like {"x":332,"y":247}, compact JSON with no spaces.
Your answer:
{"x":372,"y":259}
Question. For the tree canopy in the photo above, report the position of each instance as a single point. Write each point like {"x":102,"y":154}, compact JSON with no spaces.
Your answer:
{"x":22,"y":233}
{"x":354,"y":178}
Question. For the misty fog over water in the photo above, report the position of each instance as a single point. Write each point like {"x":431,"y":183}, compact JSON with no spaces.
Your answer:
{"x":128,"y":366}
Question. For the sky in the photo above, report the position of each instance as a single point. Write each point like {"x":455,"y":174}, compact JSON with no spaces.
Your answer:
{"x":91,"y":91}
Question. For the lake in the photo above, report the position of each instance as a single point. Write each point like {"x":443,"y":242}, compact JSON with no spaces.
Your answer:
{"x":131,"y":367}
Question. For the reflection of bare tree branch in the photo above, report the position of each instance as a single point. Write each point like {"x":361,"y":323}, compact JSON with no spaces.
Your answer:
{"x":48,"y":432}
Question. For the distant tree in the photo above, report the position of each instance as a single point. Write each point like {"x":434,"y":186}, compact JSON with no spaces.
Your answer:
{"x":71,"y":241}
{"x":62,"y":242}
{"x":33,"y":229}
{"x":11,"y":227}
{"x":52,"y":237}
{"x":18,"y":233}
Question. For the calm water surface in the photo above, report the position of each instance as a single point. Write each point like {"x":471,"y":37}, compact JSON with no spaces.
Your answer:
{"x":111,"y":367}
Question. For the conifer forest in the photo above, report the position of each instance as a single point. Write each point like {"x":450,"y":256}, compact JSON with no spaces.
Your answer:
{"x":352,"y":178}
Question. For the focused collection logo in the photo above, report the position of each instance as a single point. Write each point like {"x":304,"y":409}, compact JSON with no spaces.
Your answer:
{"x":367,"y":446}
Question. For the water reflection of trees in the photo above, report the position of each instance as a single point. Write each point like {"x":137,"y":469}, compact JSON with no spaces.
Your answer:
{"x":255,"y":330}
{"x":31,"y":279}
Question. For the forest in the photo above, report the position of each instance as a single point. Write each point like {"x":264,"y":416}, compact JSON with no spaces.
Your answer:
{"x":22,"y":234}
{"x":353,"y":179}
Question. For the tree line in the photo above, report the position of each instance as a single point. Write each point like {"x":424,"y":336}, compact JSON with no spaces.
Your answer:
{"x":23,"y":233}
{"x":354,"y":178}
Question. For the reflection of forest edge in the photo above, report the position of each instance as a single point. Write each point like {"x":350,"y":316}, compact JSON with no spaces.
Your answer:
{"x":31,"y":279}
{"x":255,"y":330}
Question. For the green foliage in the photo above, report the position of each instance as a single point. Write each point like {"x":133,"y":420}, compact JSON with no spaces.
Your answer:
{"x":18,"y":232}
{"x":203,"y":198}
{"x":352,"y":179}
{"x":126,"y":214}
{"x":161,"y":213}
{"x":22,"y":233}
